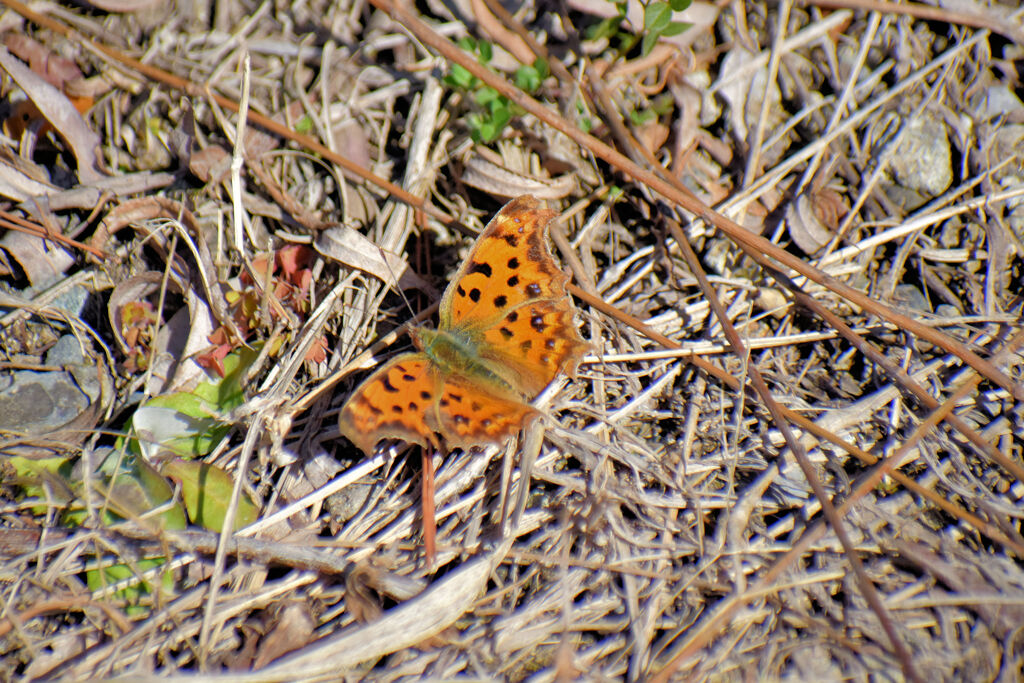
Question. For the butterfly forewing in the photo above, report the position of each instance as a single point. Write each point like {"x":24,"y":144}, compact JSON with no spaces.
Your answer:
{"x":509,"y":265}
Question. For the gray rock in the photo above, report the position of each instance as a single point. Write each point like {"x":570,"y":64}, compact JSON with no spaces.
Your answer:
{"x":922,"y":160}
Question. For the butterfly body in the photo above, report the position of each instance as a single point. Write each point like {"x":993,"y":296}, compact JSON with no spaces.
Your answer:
{"x":505,"y":331}
{"x":458,"y":354}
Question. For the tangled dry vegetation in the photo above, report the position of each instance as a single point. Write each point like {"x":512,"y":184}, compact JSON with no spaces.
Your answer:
{"x":795,"y":451}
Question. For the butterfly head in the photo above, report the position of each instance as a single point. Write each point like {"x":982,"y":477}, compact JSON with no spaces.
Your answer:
{"x":421,"y":337}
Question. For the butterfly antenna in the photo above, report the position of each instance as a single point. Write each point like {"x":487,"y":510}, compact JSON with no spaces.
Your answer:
{"x":417,"y":317}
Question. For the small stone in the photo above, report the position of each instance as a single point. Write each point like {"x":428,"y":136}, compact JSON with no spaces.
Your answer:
{"x":922,"y":160}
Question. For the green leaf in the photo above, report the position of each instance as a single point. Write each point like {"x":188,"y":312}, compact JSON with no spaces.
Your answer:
{"x":626,"y":42}
{"x":501,"y":115}
{"x":641,"y":117}
{"x":488,"y":131}
{"x":206,"y":491}
{"x":657,"y":16}
{"x":475,"y":121}
{"x":542,"y":67}
{"x":650,"y":40}
{"x":137,"y":491}
{"x":675,"y":28}
{"x":662,"y":104}
{"x":168,"y":424}
{"x":98,"y":578}
{"x":486,"y":51}
{"x":458,"y":77}
{"x":227,"y":393}
{"x":29,"y":471}
{"x":528,"y":79}
{"x":304,"y":126}
{"x":604,"y":29}
{"x":679,"y":5}
{"x":485,"y":96}
{"x":47,"y":479}
{"x":186,"y":403}
{"x":190,"y":423}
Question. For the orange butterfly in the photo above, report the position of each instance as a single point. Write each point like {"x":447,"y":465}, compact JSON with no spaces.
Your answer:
{"x":506,"y":330}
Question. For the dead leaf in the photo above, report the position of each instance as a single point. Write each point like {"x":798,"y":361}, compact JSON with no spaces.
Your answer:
{"x":125,"y":6}
{"x":488,"y":176}
{"x":55,"y":69}
{"x":652,"y":135}
{"x":17,"y":185}
{"x":351,"y":248}
{"x":812,"y":220}
{"x":360,"y":600}
{"x":60,"y":113}
{"x":42,"y":261}
{"x":292,"y":628}
{"x":211,"y":164}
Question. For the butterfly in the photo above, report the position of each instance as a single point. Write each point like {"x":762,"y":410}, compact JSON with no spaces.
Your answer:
{"x":505,"y":331}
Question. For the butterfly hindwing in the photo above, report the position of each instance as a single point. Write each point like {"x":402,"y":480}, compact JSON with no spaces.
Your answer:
{"x":397,"y":401}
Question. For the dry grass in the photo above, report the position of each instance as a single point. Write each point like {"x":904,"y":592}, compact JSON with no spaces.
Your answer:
{"x":796,"y":452}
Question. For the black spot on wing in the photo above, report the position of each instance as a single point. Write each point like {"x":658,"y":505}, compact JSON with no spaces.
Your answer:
{"x":537,"y":322}
{"x":533,"y":289}
{"x":511,"y":238}
{"x":389,"y":387}
{"x":512,"y":317}
{"x":526,"y":345}
{"x":506,"y":333}
{"x":425,"y":395}
{"x":513,"y":263}
{"x":474,"y":294}
{"x":501,"y":301}
{"x":482,"y":268}
{"x":513,"y":281}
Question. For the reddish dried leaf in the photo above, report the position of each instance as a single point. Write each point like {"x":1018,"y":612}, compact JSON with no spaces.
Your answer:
{"x":318,"y":351}
{"x":213,"y":360}
{"x":293,"y":259}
